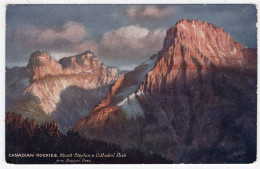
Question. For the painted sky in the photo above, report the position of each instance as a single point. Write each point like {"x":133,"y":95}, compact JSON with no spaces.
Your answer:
{"x":120,"y":35}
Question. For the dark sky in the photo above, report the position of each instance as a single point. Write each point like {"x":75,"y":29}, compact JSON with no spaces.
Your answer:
{"x":120,"y":35}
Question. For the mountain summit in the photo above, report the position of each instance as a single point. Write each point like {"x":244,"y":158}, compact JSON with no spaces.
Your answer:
{"x":195,"y":97}
{"x":57,"y":87}
{"x":191,"y":48}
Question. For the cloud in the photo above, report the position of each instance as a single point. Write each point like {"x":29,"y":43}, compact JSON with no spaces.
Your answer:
{"x":87,"y":45}
{"x":66,"y":38}
{"x":131,"y":43}
{"x":71,"y":31}
{"x":148,"y":13}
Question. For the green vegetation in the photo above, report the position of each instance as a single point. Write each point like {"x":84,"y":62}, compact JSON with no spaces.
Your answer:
{"x":30,"y":108}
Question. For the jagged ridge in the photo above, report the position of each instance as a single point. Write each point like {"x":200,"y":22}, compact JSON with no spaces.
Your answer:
{"x":195,"y":97}
{"x":48,"y":80}
{"x":190,"y":49}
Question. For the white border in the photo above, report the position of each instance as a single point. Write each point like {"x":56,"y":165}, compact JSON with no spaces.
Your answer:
{"x":3,"y":4}
{"x":131,"y":2}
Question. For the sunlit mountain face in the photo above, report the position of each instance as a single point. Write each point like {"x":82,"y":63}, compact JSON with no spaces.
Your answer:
{"x":192,"y":96}
{"x":64,"y":90}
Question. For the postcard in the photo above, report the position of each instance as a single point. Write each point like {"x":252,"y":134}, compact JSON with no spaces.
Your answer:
{"x":131,"y":84}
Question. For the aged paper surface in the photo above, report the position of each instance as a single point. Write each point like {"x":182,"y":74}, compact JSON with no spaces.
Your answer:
{"x":130,"y":83}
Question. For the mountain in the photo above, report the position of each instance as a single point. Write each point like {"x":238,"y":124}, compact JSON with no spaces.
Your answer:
{"x":65,"y":91}
{"x":192,"y":102}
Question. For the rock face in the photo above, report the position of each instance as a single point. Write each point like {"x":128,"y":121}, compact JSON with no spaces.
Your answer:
{"x":190,"y":49}
{"x":50,"y":78}
{"x":82,"y":78}
{"x":193,"y":102}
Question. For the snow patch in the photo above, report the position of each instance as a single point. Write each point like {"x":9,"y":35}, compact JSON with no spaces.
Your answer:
{"x":63,"y":85}
{"x":122,"y":102}
{"x":240,"y":62}
{"x":202,"y":34}
{"x":78,"y":72}
{"x":140,"y":92}
{"x":194,"y":27}
{"x":87,"y":71}
{"x":55,"y":83}
{"x":184,"y":27}
{"x":131,"y":106}
{"x":221,"y":54}
{"x":216,"y":59}
{"x":53,"y":103}
{"x":234,"y":51}
{"x":211,"y":50}
{"x":131,"y":89}
{"x":92,"y":85}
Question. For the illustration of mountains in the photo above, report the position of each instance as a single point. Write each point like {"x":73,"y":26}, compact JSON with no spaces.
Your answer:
{"x":65,"y":91}
{"x":192,"y":102}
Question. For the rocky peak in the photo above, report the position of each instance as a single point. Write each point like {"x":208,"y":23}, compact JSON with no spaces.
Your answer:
{"x":182,"y":96}
{"x":38,"y":59}
{"x":65,"y":91}
{"x":82,"y":60}
{"x":112,"y":71}
{"x":190,"y":49}
{"x":42,"y":64}
{"x":50,"y":80}
{"x":203,"y":39}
